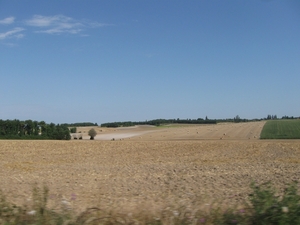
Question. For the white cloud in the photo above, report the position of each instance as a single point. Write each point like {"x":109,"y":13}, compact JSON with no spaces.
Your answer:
{"x":19,"y":36}
{"x":42,"y":21}
{"x":96,"y":24}
{"x":14,"y":33}
{"x":55,"y":24}
{"x":61,"y":24}
{"x":8,"y":20}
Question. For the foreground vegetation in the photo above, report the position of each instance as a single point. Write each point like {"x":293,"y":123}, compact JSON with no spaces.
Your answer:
{"x":265,"y":206}
{"x":281,"y":129}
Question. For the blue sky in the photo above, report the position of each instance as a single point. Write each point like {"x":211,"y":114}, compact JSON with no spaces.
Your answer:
{"x":104,"y":61}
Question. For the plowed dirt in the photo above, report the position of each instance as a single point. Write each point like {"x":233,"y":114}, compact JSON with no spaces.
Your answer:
{"x":218,"y":161}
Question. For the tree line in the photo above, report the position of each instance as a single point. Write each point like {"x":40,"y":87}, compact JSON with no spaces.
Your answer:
{"x":82,"y":124}
{"x":158,"y":122}
{"x":274,"y":117}
{"x":28,"y":129}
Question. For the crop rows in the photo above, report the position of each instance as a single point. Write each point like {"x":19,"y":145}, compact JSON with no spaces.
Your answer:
{"x":281,"y":129}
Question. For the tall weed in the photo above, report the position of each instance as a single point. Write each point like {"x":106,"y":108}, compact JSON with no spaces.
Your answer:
{"x":266,"y":207}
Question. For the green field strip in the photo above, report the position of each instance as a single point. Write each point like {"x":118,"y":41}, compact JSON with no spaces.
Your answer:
{"x":281,"y":129}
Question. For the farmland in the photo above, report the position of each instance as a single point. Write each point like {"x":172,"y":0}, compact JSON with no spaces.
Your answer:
{"x":150,"y":165}
{"x":281,"y":129}
{"x":224,"y":131}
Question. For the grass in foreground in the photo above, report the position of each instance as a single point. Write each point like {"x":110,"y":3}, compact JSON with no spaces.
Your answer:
{"x":281,"y":129}
{"x":266,"y":207}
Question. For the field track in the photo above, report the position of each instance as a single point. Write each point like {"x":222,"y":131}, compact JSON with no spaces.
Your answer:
{"x":154,"y":165}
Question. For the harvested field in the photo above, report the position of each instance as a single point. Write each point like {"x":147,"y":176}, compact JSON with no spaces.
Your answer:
{"x":228,"y":131}
{"x":159,"y":164}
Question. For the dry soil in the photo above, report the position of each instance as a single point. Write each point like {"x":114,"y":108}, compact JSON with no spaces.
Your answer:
{"x":149,"y":164}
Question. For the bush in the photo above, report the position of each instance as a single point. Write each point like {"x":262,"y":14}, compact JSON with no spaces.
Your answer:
{"x":92,"y":133}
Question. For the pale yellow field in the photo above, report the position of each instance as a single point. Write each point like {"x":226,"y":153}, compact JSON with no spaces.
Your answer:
{"x":156,"y":164}
{"x":226,"y":131}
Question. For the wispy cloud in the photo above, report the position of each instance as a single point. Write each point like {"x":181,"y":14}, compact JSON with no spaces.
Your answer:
{"x":60,"y":24}
{"x":55,"y":24}
{"x":14,"y":33}
{"x":8,"y":20}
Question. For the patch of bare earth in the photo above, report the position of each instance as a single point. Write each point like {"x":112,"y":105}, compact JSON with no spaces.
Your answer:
{"x":167,"y":163}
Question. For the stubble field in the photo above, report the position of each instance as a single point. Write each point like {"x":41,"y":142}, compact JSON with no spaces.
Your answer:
{"x":148,"y":164}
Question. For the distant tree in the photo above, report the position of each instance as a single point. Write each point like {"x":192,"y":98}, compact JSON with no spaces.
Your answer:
{"x":237,"y":119}
{"x":83,"y":124}
{"x":274,"y":117}
{"x":92,"y":133}
{"x":36,"y":128}
{"x":28,"y":127}
{"x":73,"y":130}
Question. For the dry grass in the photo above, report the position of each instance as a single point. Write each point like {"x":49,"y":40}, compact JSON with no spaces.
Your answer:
{"x":125,"y":175}
{"x":222,"y":131}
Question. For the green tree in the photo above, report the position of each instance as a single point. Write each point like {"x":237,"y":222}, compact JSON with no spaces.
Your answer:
{"x":92,"y":133}
{"x":36,"y":128}
{"x":73,"y":129}
{"x":237,"y":119}
{"x":29,"y":127}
